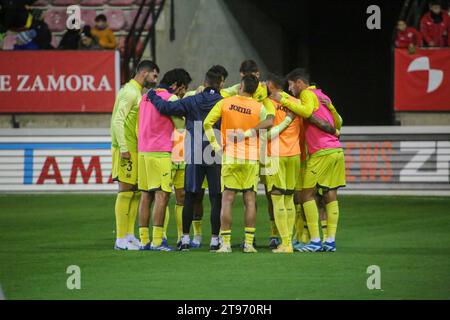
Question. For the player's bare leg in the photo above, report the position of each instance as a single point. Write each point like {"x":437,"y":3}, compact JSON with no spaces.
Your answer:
{"x":228,"y":197}
{"x":250,"y":220}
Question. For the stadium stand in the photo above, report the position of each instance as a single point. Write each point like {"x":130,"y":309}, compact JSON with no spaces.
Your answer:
{"x":93,"y":3}
{"x":64,"y":3}
{"x":55,"y":19}
{"x":120,"y":14}
{"x":129,"y":18}
{"x":41,"y":3}
{"x":116,"y":19}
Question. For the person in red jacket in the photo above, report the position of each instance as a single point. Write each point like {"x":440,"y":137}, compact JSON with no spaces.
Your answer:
{"x":434,"y":26}
{"x":407,"y":37}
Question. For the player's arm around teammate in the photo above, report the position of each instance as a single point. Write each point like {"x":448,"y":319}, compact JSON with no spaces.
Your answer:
{"x":325,"y":166}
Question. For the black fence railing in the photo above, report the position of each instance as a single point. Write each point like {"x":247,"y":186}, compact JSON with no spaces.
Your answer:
{"x":148,"y":9}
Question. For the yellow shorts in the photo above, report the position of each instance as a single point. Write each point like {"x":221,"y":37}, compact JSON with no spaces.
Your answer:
{"x":124,"y":170}
{"x":327,"y":171}
{"x":178,"y":175}
{"x":155,"y":173}
{"x":240,"y":176}
{"x":284,"y":175}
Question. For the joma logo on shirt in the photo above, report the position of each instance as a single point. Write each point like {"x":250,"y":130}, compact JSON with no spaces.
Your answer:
{"x":240,"y":109}
{"x":282,"y":108}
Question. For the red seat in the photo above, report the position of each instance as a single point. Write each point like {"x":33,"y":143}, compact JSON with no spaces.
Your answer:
{"x":130,"y":18}
{"x":92,"y":3}
{"x":40,"y":3}
{"x":139,"y":47}
{"x":122,"y":2}
{"x":64,"y":2}
{"x":116,"y":19}
{"x":88,"y":16}
{"x":9,"y":41}
{"x":56,"y":19}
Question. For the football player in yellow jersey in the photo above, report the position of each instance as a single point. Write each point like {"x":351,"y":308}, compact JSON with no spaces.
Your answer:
{"x":261,"y":93}
{"x":124,"y":153}
{"x":319,"y":144}
{"x":245,"y":117}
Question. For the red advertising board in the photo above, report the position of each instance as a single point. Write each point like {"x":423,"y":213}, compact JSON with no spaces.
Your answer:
{"x":58,"y":81}
{"x":422,"y":80}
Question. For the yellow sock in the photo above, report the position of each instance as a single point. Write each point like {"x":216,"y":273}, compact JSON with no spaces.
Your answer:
{"x":305,"y":235}
{"x":249,"y":236}
{"x":134,"y":208}
{"x":312,"y":218}
{"x":333,"y":217}
{"x":298,"y":222}
{"x":226,"y":237}
{"x":290,"y":211}
{"x":197,"y":225}
{"x":157,"y":236}
{"x":281,"y":219}
{"x":122,"y":209}
{"x":323,"y":224}
{"x":273,"y":229}
{"x":166,"y":222}
{"x":179,"y":219}
{"x":144,"y":235}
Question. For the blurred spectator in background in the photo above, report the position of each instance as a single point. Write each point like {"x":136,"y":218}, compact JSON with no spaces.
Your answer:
{"x":434,"y":26}
{"x":87,"y":40}
{"x":103,"y":33}
{"x":407,"y":37}
{"x":70,"y":40}
{"x":15,"y":15}
{"x":37,"y":37}
{"x":24,"y":40}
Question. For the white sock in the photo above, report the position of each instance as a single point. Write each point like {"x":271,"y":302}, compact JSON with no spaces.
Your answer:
{"x":315,"y":240}
{"x":197,"y":239}
{"x":185,"y":239}
{"x":330,"y":240}
{"x":214,"y":241}
{"x":130,"y":237}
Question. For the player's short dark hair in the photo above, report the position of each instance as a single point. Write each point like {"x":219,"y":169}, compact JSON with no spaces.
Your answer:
{"x":248,"y":66}
{"x":147,"y":65}
{"x":298,"y":74}
{"x":220,"y":70}
{"x":101,"y":17}
{"x":213,"y":79}
{"x":178,"y":76}
{"x":250,"y":82}
{"x":278,"y":81}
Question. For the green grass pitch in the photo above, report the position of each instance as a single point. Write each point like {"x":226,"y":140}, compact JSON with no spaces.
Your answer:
{"x":41,"y":235}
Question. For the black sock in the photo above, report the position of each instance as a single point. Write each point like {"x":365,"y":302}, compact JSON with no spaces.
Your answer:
{"x":188,"y":211}
{"x":216,"y":206}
